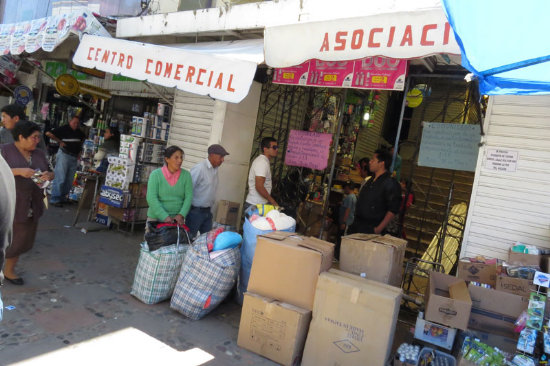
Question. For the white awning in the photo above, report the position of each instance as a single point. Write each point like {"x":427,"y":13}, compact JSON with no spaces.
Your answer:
{"x":47,"y":33}
{"x":395,"y":29}
{"x":222,"y":70}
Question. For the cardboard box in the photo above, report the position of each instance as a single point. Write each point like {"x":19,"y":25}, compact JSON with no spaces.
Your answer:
{"x":379,"y":257}
{"x":286,"y":267}
{"x":448,"y":301}
{"x":273,"y":329}
{"x":353,"y":323}
{"x":516,"y":286}
{"x":227,"y":213}
{"x":477,"y":272}
{"x":495,"y":311}
{"x":523,"y":258}
{"x":434,"y":333}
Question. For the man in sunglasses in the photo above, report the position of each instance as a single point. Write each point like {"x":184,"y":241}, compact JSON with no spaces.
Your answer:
{"x":259,"y":177}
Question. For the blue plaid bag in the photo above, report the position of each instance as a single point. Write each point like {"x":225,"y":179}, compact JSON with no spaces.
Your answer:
{"x":204,"y":282}
{"x":157,"y":272}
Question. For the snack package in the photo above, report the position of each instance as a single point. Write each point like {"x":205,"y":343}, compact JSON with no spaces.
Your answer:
{"x":520,"y":323}
{"x":535,"y":311}
{"x":527,"y":340}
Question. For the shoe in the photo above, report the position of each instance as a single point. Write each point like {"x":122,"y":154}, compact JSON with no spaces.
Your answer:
{"x":15,"y":281}
{"x":57,"y":204}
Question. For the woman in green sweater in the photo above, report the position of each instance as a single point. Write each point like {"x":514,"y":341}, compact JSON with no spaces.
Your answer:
{"x":170,"y":189}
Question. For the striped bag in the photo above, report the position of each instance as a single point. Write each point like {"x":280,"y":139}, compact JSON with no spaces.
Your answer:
{"x":205,"y":279}
{"x":157,"y":272}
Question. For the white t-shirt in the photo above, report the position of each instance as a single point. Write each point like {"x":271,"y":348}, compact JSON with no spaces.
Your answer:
{"x":260,"y":168}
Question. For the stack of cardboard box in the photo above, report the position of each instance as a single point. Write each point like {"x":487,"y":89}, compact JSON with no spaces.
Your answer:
{"x":352,"y":318}
{"x":277,"y":307}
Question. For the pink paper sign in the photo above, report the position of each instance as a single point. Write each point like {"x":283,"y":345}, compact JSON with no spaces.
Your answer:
{"x":296,"y":75}
{"x":335,"y":74}
{"x":308,"y":149}
{"x":379,"y":73}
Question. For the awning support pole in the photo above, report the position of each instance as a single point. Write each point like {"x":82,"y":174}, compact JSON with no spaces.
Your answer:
{"x":403,"y":105}
{"x":157,"y":92}
{"x":335,"y":143}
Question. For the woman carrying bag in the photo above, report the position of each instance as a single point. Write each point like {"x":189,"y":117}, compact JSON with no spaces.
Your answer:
{"x":32,"y":174}
{"x":170,"y":189}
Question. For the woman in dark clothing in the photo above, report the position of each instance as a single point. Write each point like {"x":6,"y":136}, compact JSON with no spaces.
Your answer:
{"x":110,"y":147}
{"x":25,"y":161}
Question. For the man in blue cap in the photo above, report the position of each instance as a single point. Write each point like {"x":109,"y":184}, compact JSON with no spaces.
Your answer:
{"x":205,"y":184}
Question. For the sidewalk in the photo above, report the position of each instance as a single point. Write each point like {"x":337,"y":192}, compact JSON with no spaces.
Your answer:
{"x":77,"y":289}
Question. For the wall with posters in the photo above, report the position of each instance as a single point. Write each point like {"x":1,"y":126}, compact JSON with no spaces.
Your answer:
{"x":510,"y":200}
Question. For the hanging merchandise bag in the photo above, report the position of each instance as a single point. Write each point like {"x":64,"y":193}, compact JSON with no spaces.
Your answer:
{"x":206,"y":278}
{"x":157,"y":271}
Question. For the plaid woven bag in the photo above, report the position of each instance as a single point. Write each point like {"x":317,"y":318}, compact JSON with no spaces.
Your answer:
{"x":204,"y":282}
{"x":157,"y":272}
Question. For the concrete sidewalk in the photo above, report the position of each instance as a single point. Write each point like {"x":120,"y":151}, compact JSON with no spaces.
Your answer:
{"x":75,"y":306}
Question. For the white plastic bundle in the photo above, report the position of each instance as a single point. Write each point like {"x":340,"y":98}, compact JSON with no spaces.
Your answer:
{"x":274,"y":220}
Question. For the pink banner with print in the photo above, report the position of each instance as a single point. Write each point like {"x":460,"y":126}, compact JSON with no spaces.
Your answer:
{"x":308,"y":149}
{"x":380,"y":73}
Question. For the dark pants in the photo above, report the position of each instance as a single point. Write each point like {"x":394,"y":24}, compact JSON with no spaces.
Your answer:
{"x":199,"y":219}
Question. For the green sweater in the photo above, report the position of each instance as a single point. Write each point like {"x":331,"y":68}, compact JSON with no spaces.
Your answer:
{"x":165,"y":200}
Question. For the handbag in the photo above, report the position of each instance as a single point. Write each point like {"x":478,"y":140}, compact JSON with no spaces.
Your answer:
{"x":162,"y":234}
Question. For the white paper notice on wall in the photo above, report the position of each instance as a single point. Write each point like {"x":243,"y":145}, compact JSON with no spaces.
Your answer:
{"x":501,"y":160}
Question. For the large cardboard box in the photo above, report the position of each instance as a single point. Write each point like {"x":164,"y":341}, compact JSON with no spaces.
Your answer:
{"x":495,"y":311}
{"x":379,"y":257}
{"x":523,"y":258}
{"x":353,"y":321}
{"x":273,"y":329}
{"x":286,"y":267}
{"x":227,"y":213}
{"x":477,"y":272}
{"x":516,"y":286}
{"x":447,"y":301}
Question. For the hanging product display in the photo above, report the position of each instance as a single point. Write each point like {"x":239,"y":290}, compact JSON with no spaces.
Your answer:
{"x":366,"y":73}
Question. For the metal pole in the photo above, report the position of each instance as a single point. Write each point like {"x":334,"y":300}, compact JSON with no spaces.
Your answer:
{"x":333,"y":162}
{"x":403,"y":105}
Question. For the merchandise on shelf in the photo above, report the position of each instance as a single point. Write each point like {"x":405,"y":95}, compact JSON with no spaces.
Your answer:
{"x":120,"y":173}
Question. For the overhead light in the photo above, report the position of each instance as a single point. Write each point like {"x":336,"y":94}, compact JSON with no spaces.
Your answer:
{"x":366,"y":116}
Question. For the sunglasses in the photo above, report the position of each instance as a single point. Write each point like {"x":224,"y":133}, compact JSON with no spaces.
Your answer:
{"x":274,"y":147}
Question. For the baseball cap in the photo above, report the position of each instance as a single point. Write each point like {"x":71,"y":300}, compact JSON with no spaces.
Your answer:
{"x":217,"y":149}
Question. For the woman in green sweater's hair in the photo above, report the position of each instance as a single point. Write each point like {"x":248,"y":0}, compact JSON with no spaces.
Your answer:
{"x":170,"y":189}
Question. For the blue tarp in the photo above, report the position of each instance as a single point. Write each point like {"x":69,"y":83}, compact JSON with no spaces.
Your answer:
{"x":505,"y":43}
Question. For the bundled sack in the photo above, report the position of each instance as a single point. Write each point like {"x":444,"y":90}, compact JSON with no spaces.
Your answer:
{"x":250,"y":233}
{"x":157,"y":271}
{"x":161,"y":234}
{"x":206,"y":278}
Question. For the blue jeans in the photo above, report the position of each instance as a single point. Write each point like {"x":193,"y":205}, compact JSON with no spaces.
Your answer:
{"x":198,"y":220}
{"x":65,"y":167}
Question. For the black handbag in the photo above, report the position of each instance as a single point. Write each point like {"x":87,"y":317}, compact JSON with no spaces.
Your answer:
{"x":160,"y":234}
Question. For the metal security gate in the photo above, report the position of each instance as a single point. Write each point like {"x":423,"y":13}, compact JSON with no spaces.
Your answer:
{"x":434,"y":224}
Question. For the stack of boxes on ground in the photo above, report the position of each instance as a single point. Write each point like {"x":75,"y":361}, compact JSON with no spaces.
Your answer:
{"x":122,"y":198}
{"x":295,"y":302}
{"x":497,"y":311}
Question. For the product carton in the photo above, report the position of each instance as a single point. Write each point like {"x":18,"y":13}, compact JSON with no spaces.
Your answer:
{"x":516,"y":286}
{"x":273,"y":329}
{"x":227,"y":213}
{"x":286,"y":267}
{"x":353,"y":322}
{"x":495,"y":311}
{"x":447,"y":301}
{"x":505,"y":343}
{"x":434,"y":333}
{"x":523,"y":258}
{"x":477,"y":272}
{"x":380,"y":258}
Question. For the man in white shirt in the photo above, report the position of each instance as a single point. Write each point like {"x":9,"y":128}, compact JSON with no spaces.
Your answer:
{"x":259,"y":177}
{"x":205,"y":184}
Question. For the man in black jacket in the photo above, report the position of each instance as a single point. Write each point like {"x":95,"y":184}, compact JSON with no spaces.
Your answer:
{"x":379,"y":198}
